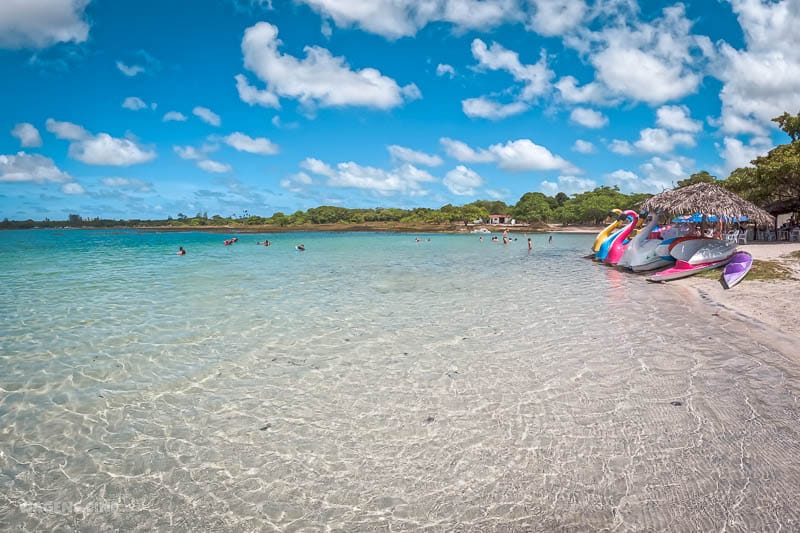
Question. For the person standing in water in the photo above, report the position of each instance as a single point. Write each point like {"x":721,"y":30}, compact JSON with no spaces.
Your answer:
{"x":181,"y":251}
{"x":549,"y":239}
{"x":530,"y":244}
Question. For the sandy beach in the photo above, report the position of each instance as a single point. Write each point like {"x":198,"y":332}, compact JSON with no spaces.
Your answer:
{"x":768,"y":308}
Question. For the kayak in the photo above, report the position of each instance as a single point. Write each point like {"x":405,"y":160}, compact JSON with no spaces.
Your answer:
{"x":737,"y":269}
{"x":682,"y":269}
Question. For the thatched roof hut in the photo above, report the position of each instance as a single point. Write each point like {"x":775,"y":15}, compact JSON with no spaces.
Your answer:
{"x":708,"y":199}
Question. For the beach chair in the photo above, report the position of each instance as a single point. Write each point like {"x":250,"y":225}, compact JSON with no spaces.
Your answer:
{"x":741,"y":238}
{"x":732,"y":236}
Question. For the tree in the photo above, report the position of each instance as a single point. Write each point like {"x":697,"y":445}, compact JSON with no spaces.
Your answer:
{"x":697,"y":177}
{"x":532,"y":207}
{"x":790,"y":124}
{"x":561,"y":198}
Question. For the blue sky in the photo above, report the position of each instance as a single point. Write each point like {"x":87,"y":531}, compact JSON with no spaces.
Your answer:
{"x":147,"y":109}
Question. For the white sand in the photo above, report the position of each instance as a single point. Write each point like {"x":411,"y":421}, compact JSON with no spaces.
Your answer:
{"x":769,"y":307}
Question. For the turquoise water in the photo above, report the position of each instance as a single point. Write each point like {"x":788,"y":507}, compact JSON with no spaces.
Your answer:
{"x":376,"y":383}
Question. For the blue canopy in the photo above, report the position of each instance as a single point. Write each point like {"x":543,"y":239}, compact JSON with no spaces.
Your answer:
{"x":698,"y":217}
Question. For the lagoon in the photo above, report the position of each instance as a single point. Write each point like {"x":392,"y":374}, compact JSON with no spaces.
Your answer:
{"x":374,"y":383}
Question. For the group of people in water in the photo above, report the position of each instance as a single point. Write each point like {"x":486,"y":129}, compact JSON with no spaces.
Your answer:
{"x":507,"y":239}
{"x":232,"y":240}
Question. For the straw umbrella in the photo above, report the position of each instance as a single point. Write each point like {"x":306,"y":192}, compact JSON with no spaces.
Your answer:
{"x":708,"y":199}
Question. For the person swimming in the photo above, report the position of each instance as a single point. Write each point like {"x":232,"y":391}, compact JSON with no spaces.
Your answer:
{"x":301,"y":247}
{"x":181,"y":251}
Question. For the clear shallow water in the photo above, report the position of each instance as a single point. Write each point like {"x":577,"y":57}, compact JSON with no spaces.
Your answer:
{"x":372,"y":383}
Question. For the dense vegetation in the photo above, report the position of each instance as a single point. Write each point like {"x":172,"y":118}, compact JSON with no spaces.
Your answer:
{"x":589,"y":207}
{"x":773,"y":180}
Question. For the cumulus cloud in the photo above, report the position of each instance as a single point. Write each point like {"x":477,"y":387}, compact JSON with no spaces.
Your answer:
{"x":134,"y":103}
{"x":251,"y":95}
{"x":621,"y":147}
{"x":207,"y":116}
{"x":676,"y":117}
{"x":401,"y":153}
{"x":624,"y":179}
{"x":406,"y":179}
{"x":651,"y":62}
{"x":760,"y":80}
{"x":535,"y":78}
{"x":590,"y":93}
{"x":297,"y":183}
{"x":100,"y":149}
{"x":73,"y":188}
{"x":174,"y":116}
{"x":568,"y":185}
{"x":35,"y":168}
{"x":484,"y":108}
{"x":443,"y":69}
{"x":27,"y":134}
{"x":393,"y":19}
{"x":556,"y":17}
{"x":188,"y":152}
{"x":737,"y":154}
{"x":661,"y":174}
{"x":214,"y":166}
{"x":42,"y":23}
{"x":519,"y":155}
{"x":660,"y":141}
{"x":588,"y":117}
{"x":462,"y":152}
{"x":319,"y":79}
{"x":583,"y":147}
{"x":244,"y":143}
{"x":462,"y":181}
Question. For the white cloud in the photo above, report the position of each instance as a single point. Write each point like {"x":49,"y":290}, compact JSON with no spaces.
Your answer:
{"x":414,"y":157}
{"x":100,"y":149}
{"x":73,"y":188}
{"x":676,"y":117}
{"x":556,"y":17}
{"x":523,"y":154}
{"x":588,"y":117}
{"x":66,"y":130}
{"x":443,"y":69}
{"x":174,"y":115}
{"x":621,"y":147}
{"x":583,"y":147}
{"x":659,"y":141}
{"x":591,"y":93}
{"x":250,"y":95}
{"x":760,"y":81}
{"x":27,"y":134}
{"x":134,"y":103}
{"x":244,"y":143}
{"x":394,"y":19}
{"x":35,"y":168}
{"x":535,"y":78}
{"x":737,"y":154}
{"x":484,"y":108}
{"x":625,"y":179}
{"x":103,"y":149}
{"x":462,"y":181}
{"x":650,"y":62}
{"x":569,"y":185}
{"x":206,"y":115}
{"x":463,"y":153}
{"x":42,"y":23}
{"x":662,"y":174}
{"x":406,"y":179}
{"x":297,"y":182}
{"x":214,"y":166}
{"x":188,"y":152}
{"x":320,"y":79}
{"x":129,"y":70}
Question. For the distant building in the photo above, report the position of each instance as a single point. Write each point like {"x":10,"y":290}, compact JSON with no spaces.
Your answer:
{"x":501,"y":219}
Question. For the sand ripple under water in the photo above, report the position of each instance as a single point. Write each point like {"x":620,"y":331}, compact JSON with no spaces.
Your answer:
{"x":404,"y":392}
